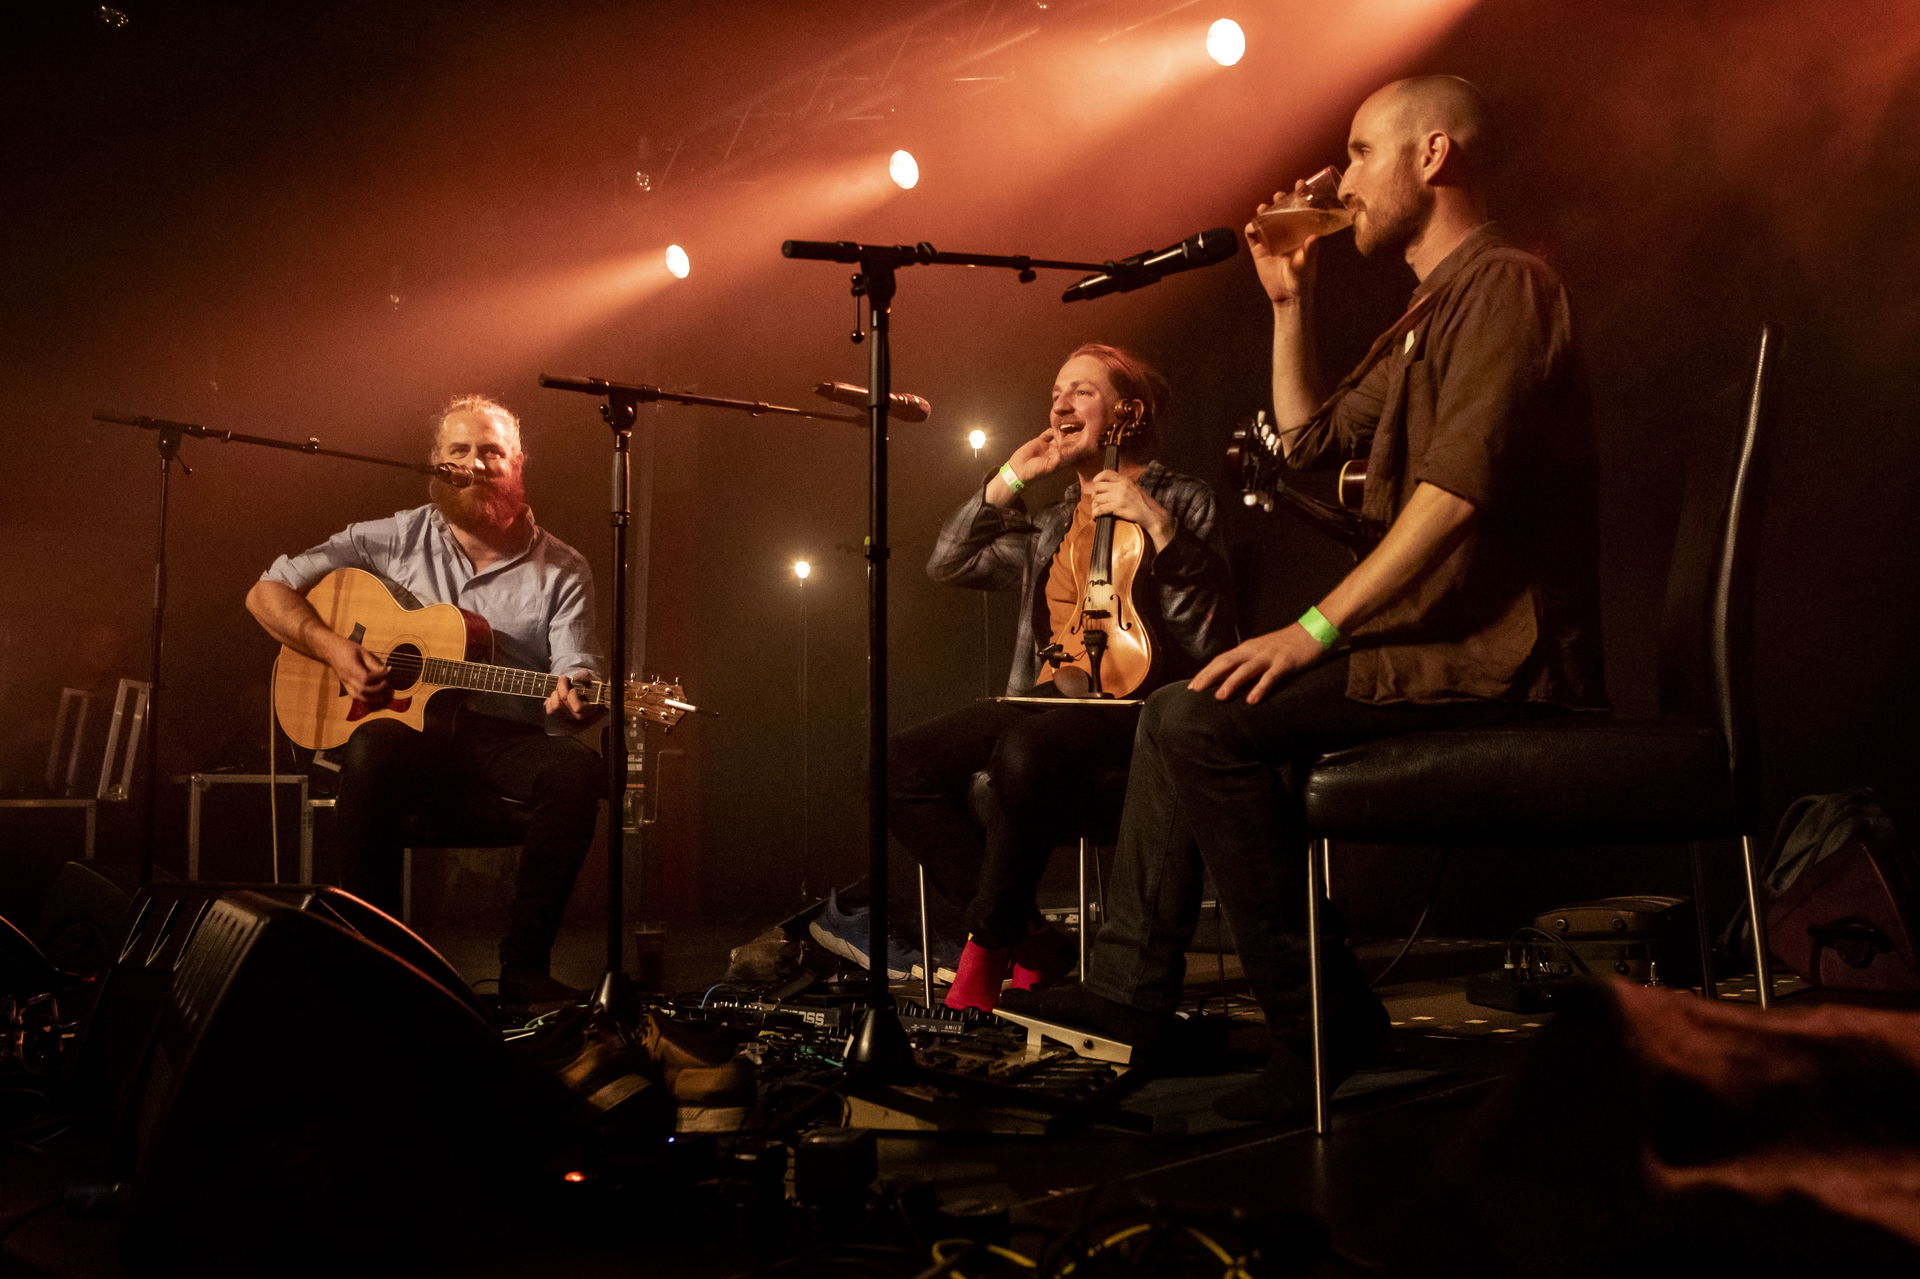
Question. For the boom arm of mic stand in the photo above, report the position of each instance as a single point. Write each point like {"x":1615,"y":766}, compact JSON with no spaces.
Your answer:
{"x":641,"y":394}
{"x":923,"y":254}
{"x":309,"y":446}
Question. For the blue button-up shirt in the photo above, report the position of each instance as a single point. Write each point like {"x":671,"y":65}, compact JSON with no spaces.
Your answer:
{"x":539,"y":602}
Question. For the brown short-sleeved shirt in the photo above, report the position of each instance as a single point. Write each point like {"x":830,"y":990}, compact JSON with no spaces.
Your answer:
{"x":1475,"y":392}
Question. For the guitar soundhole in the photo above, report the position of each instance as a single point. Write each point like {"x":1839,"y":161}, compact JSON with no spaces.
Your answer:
{"x":404,"y":663}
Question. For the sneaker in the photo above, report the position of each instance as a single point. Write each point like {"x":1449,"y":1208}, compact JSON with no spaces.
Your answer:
{"x":846,"y":933}
{"x":946,"y":960}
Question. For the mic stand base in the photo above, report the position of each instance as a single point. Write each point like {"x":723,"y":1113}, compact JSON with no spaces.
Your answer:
{"x":614,"y":996}
{"x":879,"y":1051}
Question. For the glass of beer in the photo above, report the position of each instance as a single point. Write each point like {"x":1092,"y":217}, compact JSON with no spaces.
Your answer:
{"x":1312,"y":208}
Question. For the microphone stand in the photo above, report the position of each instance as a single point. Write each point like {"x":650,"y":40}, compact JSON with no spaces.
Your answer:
{"x":168,"y":436}
{"x":614,"y":992}
{"x":878,"y":1051}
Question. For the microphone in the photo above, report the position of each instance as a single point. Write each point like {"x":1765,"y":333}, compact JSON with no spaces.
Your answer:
{"x":447,"y":473}
{"x":1204,"y":249}
{"x":584,"y":385}
{"x":903,"y":407}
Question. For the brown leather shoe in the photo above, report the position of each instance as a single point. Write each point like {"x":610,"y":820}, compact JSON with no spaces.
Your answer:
{"x":711,"y":1083}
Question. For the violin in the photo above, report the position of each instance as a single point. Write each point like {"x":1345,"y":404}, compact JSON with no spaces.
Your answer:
{"x":1099,"y":645}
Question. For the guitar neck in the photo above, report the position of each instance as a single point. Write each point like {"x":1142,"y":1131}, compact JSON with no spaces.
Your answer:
{"x":479,"y":677}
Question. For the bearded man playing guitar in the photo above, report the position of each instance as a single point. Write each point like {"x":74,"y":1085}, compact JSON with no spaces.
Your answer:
{"x":475,"y":545}
{"x":1038,"y":757}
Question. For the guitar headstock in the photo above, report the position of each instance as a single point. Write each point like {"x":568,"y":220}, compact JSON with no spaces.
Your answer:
{"x":1258,"y":460}
{"x":657,"y":702}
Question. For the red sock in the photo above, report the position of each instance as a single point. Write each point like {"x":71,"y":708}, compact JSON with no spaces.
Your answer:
{"x":976,"y":983}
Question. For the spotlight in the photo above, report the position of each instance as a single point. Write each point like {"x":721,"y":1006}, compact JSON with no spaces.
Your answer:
{"x":904,"y":170}
{"x":678,"y":263}
{"x":1226,"y":42}
{"x":802,"y":570}
{"x":976,"y":439}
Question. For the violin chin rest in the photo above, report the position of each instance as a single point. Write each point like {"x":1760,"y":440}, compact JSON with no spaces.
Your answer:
{"x":1071,"y":681}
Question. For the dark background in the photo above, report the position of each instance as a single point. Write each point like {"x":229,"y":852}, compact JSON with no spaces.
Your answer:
{"x":325,"y":219}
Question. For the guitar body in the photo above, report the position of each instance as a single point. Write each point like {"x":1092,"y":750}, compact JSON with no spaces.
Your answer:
{"x":312,"y":705}
{"x":1352,"y":488}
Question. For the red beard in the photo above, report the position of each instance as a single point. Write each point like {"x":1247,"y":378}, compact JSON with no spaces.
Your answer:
{"x":484,"y":504}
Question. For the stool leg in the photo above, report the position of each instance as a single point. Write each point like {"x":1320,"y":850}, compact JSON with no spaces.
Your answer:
{"x":1086,"y":919}
{"x":1709,"y":988}
{"x":926,"y":944}
{"x":1762,"y":962}
{"x":1317,"y":858}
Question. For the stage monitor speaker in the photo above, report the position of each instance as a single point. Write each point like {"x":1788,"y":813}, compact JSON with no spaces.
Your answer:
{"x":84,"y":915}
{"x":160,"y":925}
{"x":305,"y":1087}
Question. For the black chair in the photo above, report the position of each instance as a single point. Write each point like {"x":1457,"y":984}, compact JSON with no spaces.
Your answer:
{"x":460,"y":815}
{"x":1584,"y":779}
{"x":464,"y":814}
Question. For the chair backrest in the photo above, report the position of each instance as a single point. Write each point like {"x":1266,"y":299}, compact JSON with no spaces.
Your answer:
{"x":1707,"y":612}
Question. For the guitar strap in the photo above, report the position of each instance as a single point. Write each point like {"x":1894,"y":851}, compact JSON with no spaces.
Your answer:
{"x":1396,"y":332}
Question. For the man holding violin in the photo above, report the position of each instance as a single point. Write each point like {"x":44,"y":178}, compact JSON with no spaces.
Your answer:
{"x":1476,"y":605}
{"x":1167,"y":559}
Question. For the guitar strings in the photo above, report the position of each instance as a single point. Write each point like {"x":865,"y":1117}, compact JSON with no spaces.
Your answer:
{"x":413,"y":662}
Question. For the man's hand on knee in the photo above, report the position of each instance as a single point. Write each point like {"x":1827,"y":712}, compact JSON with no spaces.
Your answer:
{"x":1258,"y":664}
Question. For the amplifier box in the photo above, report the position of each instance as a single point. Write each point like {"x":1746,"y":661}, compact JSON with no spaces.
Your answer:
{"x":1638,"y":938}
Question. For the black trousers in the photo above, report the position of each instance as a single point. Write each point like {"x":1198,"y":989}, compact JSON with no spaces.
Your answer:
{"x":390,"y":772}
{"x":1210,"y":788}
{"x":1040,"y":761}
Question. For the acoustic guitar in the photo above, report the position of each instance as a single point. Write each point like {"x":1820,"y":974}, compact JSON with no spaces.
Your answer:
{"x":1261,"y":462}
{"x":428,"y":650}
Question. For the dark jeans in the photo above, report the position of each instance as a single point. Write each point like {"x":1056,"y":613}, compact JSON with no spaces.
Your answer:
{"x":1210,"y":787}
{"x":389,"y":772}
{"x":1040,"y":761}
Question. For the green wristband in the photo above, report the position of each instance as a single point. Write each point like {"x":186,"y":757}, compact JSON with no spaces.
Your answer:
{"x":1008,"y":478}
{"x":1316,"y":625}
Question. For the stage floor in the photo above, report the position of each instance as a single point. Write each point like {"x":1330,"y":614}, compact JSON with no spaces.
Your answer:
{"x":1377,"y":1196}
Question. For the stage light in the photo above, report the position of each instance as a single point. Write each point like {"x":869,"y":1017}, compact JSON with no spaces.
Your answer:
{"x":678,"y":262}
{"x":904,"y":170}
{"x":976,"y":439}
{"x":1226,"y":42}
{"x":802,"y":570}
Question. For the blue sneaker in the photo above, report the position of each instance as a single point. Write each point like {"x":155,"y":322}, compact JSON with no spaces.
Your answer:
{"x":846,"y":933}
{"x":946,"y":958}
